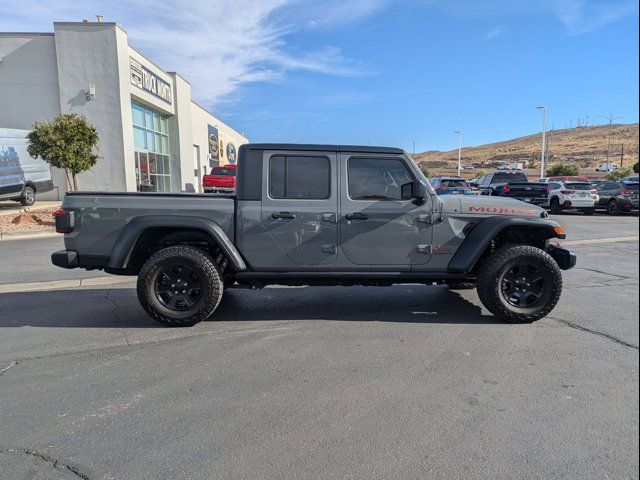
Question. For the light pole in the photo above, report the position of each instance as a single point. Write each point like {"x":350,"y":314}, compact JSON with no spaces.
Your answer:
{"x":544,"y":134}
{"x":457,"y":132}
{"x":610,"y":119}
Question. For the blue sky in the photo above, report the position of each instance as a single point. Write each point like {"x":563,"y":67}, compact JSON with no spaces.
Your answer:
{"x":378,"y":71}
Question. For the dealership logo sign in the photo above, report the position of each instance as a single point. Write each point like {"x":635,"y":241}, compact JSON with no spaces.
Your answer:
{"x":148,"y":81}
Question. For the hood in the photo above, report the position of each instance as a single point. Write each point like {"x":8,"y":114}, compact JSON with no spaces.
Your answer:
{"x":485,"y":205}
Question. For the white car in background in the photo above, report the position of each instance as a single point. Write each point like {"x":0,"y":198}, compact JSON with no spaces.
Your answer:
{"x":607,"y":167}
{"x":572,"y":196}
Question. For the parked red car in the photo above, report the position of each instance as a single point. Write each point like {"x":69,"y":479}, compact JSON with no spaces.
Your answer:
{"x":220,"y":180}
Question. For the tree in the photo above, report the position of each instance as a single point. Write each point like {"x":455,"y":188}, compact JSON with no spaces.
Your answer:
{"x":563,"y":170}
{"x":426,"y":172}
{"x":619,"y":174}
{"x":481,"y":172}
{"x":636,"y":167}
{"x":68,"y":142}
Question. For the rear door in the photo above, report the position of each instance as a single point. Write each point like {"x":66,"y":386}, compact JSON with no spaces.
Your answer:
{"x":378,"y":227}
{"x":300,"y":204}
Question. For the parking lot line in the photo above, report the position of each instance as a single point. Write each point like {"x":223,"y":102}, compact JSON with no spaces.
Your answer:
{"x":593,"y":241}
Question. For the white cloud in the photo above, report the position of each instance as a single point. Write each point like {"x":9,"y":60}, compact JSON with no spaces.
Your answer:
{"x":494,"y":33}
{"x":217,"y":45}
{"x":581,"y":16}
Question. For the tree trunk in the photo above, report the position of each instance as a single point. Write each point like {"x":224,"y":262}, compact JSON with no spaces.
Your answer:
{"x":75,"y":182}
{"x":69,"y":182}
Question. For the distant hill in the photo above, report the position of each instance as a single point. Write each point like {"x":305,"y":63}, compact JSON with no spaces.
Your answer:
{"x":586,"y":146}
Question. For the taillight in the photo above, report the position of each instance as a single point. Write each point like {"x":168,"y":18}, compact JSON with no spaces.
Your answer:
{"x":64,"y":221}
{"x":548,"y":189}
{"x":567,"y":192}
{"x":506,"y":188}
{"x":439,"y":189}
{"x":628,"y":193}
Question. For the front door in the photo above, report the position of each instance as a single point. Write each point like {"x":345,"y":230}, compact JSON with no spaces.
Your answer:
{"x":378,"y":227}
{"x":300,"y":205}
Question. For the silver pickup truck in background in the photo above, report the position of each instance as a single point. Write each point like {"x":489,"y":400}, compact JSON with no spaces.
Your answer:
{"x":316,"y":215}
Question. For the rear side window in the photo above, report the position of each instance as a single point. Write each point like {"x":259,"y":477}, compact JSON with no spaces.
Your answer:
{"x":376,"y":178}
{"x":500,"y":178}
{"x":299,"y":177}
{"x":231,"y":172}
{"x":579,"y":186}
{"x":453,"y":182}
{"x":632,"y":186}
{"x":554,"y":186}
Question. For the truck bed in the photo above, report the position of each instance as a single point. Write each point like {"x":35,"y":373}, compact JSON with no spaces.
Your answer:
{"x":103,"y":215}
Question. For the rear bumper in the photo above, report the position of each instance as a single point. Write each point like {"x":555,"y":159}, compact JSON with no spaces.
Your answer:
{"x":565,"y":258}
{"x":219,"y":189}
{"x":65,"y":258}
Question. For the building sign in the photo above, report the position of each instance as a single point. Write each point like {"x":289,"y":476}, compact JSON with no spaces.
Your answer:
{"x":148,"y":81}
{"x":214,"y":149}
{"x":231,"y":153}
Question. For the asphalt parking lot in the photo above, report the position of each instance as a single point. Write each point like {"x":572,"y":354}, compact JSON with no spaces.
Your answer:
{"x":407,"y":381}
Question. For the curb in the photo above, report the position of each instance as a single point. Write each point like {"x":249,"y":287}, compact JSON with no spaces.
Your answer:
{"x":62,"y":284}
{"x":28,"y":235}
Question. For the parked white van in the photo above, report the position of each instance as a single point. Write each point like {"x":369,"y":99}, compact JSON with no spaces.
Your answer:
{"x":21,"y":177}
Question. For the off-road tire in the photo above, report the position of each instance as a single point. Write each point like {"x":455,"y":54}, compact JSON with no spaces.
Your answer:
{"x":556,"y":208}
{"x":588,"y":211}
{"x":491,"y":277}
{"x":201,"y":264}
{"x":461,"y":284}
{"x":28,"y":197}
{"x":613,"y":207}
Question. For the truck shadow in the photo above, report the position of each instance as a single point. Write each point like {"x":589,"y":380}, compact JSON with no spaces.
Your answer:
{"x":119,"y":308}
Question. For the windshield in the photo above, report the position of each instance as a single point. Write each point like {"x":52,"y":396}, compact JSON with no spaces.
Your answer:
{"x":453,"y":182}
{"x":579,"y":186}
{"x":510,"y":178}
{"x":230,"y":172}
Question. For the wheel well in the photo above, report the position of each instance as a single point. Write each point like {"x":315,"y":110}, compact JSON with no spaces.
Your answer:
{"x":29,"y":184}
{"x":156,"y":238}
{"x":517,"y":235}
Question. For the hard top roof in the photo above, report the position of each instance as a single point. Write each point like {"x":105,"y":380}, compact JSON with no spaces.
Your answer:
{"x":321,"y":148}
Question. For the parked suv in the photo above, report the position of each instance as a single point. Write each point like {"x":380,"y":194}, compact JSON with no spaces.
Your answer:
{"x":316,"y":215}
{"x":573,"y":195}
{"x":617,"y":197}
{"x":220,"y":180}
{"x":450,"y":185}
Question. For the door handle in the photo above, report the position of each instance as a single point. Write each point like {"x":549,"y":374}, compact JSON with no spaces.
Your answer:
{"x":283,"y":216}
{"x":356,"y":216}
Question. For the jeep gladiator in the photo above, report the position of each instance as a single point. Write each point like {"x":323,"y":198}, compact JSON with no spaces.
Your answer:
{"x":316,"y":215}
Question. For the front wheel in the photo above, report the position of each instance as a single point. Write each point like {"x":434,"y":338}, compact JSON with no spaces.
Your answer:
{"x":179,"y":286}
{"x":519,"y":283}
{"x":556,"y":208}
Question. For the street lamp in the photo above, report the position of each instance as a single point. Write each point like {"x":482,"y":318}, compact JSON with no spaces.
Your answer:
{"x":459,"y":151}
{"x":610,"y":119}
{"x":544,"y":133}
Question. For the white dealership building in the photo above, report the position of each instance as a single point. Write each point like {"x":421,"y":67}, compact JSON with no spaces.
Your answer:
{"x":153,"y":136}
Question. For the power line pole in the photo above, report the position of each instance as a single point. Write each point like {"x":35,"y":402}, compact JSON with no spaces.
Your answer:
{"x":544,"y":134}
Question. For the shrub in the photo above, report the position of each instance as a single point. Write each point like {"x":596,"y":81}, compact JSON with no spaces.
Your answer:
{"x":619,"y":174}
{"x":563,"y":169}
{"x":480,"y":173}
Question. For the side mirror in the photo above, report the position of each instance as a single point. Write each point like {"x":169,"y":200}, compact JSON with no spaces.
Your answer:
{"x":415,"y":189}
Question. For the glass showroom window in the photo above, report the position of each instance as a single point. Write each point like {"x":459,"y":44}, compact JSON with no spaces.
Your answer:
{"x":151,"y":144}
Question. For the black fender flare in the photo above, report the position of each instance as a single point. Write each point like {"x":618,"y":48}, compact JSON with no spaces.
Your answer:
{"x":128,"y":238}
{"x":486,"y":230}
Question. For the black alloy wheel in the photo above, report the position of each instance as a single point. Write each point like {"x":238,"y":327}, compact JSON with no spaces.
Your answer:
{"x":524,"y":285}
{"x":178,"y":287}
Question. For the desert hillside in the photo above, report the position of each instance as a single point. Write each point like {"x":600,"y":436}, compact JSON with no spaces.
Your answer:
{"x":585,"y":145}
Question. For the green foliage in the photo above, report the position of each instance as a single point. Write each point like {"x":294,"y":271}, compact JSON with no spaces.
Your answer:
{"x":636,"y":167}
{"x":426,"y":172}
{"x":481,"y":172}
{"x":563,"y":169}
{"x":68,"y":142}
{"x":619,"y":174}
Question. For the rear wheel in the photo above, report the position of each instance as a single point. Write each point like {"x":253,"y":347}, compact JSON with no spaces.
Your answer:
{"x":519,"y":283}
{"x":28,"y":197}
{"x":613,"y":207}
{"x":179,"y":286}
{"x":556,"y":208}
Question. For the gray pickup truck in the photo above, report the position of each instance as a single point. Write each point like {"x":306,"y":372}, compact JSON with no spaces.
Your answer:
{"x":316,"y":215}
